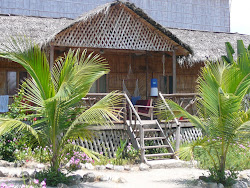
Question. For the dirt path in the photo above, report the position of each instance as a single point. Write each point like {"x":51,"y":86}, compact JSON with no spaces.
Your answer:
{"x":172,"y":177}
{"x":154,"y":178}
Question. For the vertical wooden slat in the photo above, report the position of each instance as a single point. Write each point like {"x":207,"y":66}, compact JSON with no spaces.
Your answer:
{"x":174,"y":72}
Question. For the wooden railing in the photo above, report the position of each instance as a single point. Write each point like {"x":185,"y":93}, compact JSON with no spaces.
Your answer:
{"x":186,"y":100}
{"x":92,"y":98}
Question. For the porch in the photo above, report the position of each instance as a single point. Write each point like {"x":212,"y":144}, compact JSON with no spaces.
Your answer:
{"x":144,"y":134}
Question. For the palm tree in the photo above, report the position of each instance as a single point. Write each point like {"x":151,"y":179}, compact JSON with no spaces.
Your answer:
{"x":55,"y":95}
{"x":221,"y":115}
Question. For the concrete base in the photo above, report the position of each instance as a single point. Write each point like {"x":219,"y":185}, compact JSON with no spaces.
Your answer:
{"x":168,"y":163}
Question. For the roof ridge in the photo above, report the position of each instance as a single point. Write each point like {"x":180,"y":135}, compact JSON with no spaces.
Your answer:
{"x":28,"y":16}
{"x":206,"y":31}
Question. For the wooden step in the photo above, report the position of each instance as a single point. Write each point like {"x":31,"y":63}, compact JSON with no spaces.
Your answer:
{"x":153,"y":138}
{"x":159,"y":154}
{"x":152,"y":130}
{"x":157,"y":146}
{"x":148,"y":130}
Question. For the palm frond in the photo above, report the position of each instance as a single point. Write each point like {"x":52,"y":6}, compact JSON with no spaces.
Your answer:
{"x":7,"y":125}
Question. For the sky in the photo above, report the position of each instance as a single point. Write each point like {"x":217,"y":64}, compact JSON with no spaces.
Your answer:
{"x":240,"y":13}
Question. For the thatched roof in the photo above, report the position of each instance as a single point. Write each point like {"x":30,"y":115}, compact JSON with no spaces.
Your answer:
{"x":207,"y":45}
{"x":104,"y":9}
{"x":35,"y":28}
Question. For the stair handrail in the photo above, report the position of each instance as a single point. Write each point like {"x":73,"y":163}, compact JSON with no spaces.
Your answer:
{"x":133,"y":108}
{"x":178,"y":124}
{"x":141,"y":130}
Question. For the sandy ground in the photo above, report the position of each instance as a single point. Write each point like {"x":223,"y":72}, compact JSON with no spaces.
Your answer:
{"x":171,"y":177}
{"x":153,"y":178}
{"x":175,"y":177}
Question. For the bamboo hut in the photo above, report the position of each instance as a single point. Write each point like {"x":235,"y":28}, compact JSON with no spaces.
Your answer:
{"x":136,"y":47}
{"x":130,"y":41}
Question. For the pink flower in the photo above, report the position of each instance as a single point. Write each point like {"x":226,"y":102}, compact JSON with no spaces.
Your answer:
{"x":35,"y":119}
{"x":3,"y":185}
{"x":31,"y":186}
{"x":11,"y":186}
{"x":101,"y":153}
{"x":43,"y":183}
{"x":36,"y":181}
{"x":23,"y":186}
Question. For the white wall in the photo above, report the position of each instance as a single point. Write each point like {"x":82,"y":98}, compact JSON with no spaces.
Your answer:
{"x":210,"y":15}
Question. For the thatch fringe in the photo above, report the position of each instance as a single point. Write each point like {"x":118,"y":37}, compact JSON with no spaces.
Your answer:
{"x":207,"y":46}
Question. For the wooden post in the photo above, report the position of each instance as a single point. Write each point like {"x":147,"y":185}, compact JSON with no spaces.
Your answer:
{"x":130,"y":116}
{"x":51,"y":57}
{"x":174,"y":72}
{"x":125,"y":113}
{"x":142,"y":144}
{"x":163,"y":64}
{"x":178,"y":137}
{"x":147,"y":75}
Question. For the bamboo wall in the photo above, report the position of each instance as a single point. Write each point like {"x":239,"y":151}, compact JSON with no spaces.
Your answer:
{"x":119,"y":64}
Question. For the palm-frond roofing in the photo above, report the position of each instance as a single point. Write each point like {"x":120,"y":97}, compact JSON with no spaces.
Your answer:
{"x":36,"y":28}
{"x":207,"y":46}
{"x":104,"y":10}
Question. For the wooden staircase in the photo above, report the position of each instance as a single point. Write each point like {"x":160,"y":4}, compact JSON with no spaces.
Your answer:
{"x":151,"y":138}
{"x":148,"y":136}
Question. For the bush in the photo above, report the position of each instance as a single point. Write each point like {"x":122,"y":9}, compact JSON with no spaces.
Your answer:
{"x":237,"y":158}
{"x":226,"y":178}
{"x":53,"y":177}
{"x":8,"y":145}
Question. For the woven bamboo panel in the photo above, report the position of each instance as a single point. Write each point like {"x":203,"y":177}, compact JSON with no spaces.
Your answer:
{"x":106,"y":141}
{"x":115,"y":28}
{"x":187,"y":135}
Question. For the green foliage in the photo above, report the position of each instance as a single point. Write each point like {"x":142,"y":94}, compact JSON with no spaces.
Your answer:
{"x":126,"y":155}
{"x":238,"y":156}
{"x":132,"y":154}
{"x":120,"y":153}
{"x":55,"y":96}
{"x":7,"y":147}
{"x":39,"y":154}
{"x":226,"y":178}
{"x":53,"y":177}
{"x":103,"y":159}
{"x":222,"y":87}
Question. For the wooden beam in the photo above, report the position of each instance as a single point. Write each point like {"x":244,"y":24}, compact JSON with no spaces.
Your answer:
{"x":163,"y":64}
{"x":51,"y":56}
{"x":147,"y":75}
{"x":174,"y":72}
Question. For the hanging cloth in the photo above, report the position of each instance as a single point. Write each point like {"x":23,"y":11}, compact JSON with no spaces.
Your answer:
{"x":125,"y":90}
{"x":4,"y":100}
{"x":136,"y":92}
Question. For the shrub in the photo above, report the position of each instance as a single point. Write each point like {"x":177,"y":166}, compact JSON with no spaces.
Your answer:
{"x":53,"y":177}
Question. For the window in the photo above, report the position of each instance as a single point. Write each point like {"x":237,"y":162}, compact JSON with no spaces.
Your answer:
{"x":99,"y":86}
{"x":11,"y":81}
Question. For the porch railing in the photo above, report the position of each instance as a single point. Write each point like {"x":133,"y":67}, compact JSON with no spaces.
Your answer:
{"x":186,"y":100}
